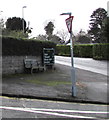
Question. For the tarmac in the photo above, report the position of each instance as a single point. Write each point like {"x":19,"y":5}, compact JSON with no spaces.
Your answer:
{"x":55,"y":84}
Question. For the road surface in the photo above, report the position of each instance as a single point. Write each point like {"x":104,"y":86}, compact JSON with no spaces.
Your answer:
{"x":89,"y":64}
{"x":93,"y":75}
{"x":33,"y":108}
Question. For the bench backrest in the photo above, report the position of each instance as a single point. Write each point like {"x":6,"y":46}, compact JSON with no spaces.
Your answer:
{"x":29,"y":63}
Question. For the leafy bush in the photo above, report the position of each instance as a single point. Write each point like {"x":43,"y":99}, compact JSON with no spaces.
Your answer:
{"x":83,"y":50}
{"x":14,"y":33}
{"x":63,"y":50}
{"x":20,"y":47}
{"x":78,"y":50}
{"x":100,"y":51}
{"x":95,"y":51}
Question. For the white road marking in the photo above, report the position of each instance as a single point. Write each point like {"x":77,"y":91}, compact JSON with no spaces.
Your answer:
{"x":69,"y":111}
{"x":42,"y":112}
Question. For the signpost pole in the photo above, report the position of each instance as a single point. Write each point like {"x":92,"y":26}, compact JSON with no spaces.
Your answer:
{"x":72,"y":62}
{"x":72,"y":68}
{"x":73,"y":78}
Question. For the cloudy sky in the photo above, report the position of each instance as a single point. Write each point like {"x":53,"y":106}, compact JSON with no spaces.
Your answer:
{"x":39,"y":12}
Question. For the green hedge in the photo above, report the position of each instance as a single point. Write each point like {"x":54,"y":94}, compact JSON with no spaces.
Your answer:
{"x":100,"y":51}
{"x":84,"y":50}
{"x":95,"y":51}
{"x":21,"y":47}
{"x":63,"y":50}
{"x":78,"y":50}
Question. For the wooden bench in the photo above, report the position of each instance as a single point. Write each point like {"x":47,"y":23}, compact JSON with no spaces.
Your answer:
{"x":32,"y":64}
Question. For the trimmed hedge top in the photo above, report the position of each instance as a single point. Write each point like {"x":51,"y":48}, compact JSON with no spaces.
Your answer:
{"x":95,"y":51}
{"x":20,"y":47}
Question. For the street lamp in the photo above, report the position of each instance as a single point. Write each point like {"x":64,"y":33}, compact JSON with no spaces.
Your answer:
{"x":72,"y":61}
{"x":23,"y":16}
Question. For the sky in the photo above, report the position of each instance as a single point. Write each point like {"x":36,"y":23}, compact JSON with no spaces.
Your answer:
{"x":40,"y":12}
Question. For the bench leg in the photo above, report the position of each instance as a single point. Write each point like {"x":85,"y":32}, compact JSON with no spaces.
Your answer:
{"x":31,"y":70}
{"x":45,"y":68}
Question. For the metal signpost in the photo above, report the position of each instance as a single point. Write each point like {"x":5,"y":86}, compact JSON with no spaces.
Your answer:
{"x":69,"y":26}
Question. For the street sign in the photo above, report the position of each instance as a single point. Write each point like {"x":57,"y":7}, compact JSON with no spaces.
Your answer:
{"x":69,"y":26}
{"x":69,"y":23}
{"x":68,"y":13}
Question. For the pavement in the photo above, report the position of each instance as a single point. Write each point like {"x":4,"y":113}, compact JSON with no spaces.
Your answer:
{"x":56,"y":84}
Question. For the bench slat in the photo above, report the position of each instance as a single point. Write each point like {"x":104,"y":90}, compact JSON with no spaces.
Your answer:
{"x":32,"y":64}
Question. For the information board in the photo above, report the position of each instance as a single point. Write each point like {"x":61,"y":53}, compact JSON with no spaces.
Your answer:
{"x":48,"y":56}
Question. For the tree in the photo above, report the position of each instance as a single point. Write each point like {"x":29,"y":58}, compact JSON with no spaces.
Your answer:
{"x":15,"y":23}
{"x":106,"y":29}
{"x":96,"y":25}
{"x":57,"y":40}
{"x":82,"y":38}
{"x":14,"y":33}
{"x":1,"y":23}
{"x":14,"y":28}
{"x":63,"y":35}
{"x":49,"y":29}
{"x":40,"y":37}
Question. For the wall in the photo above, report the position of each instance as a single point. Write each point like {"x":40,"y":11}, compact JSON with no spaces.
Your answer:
{"x":15,"y":64}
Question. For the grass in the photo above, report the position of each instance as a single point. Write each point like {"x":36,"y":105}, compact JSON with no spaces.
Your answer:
{"x":13,"y":75}
{"x":48,"y":83}
{"x":48,"y":78}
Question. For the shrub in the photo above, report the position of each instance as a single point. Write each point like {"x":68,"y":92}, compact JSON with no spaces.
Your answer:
{"x":100,"y":51}
{"x":78,"y":50}
{"x":95,"y":51}
{"x":83,"y":50}
{"x":63,"y":50}
{"x":20,"y":47}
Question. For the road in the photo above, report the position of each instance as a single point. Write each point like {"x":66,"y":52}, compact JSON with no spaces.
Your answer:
{"x":33,"y":108}
{"x":89,"y":64}
{"x":94,"y":74}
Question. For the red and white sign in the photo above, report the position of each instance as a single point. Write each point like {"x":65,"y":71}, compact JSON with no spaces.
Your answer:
{"x":69,"y":23}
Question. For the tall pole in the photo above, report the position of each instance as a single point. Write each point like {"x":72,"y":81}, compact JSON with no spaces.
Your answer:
{"x":23,"y":18}
{"x":73,"y":78}
{"x":72,"y":63}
